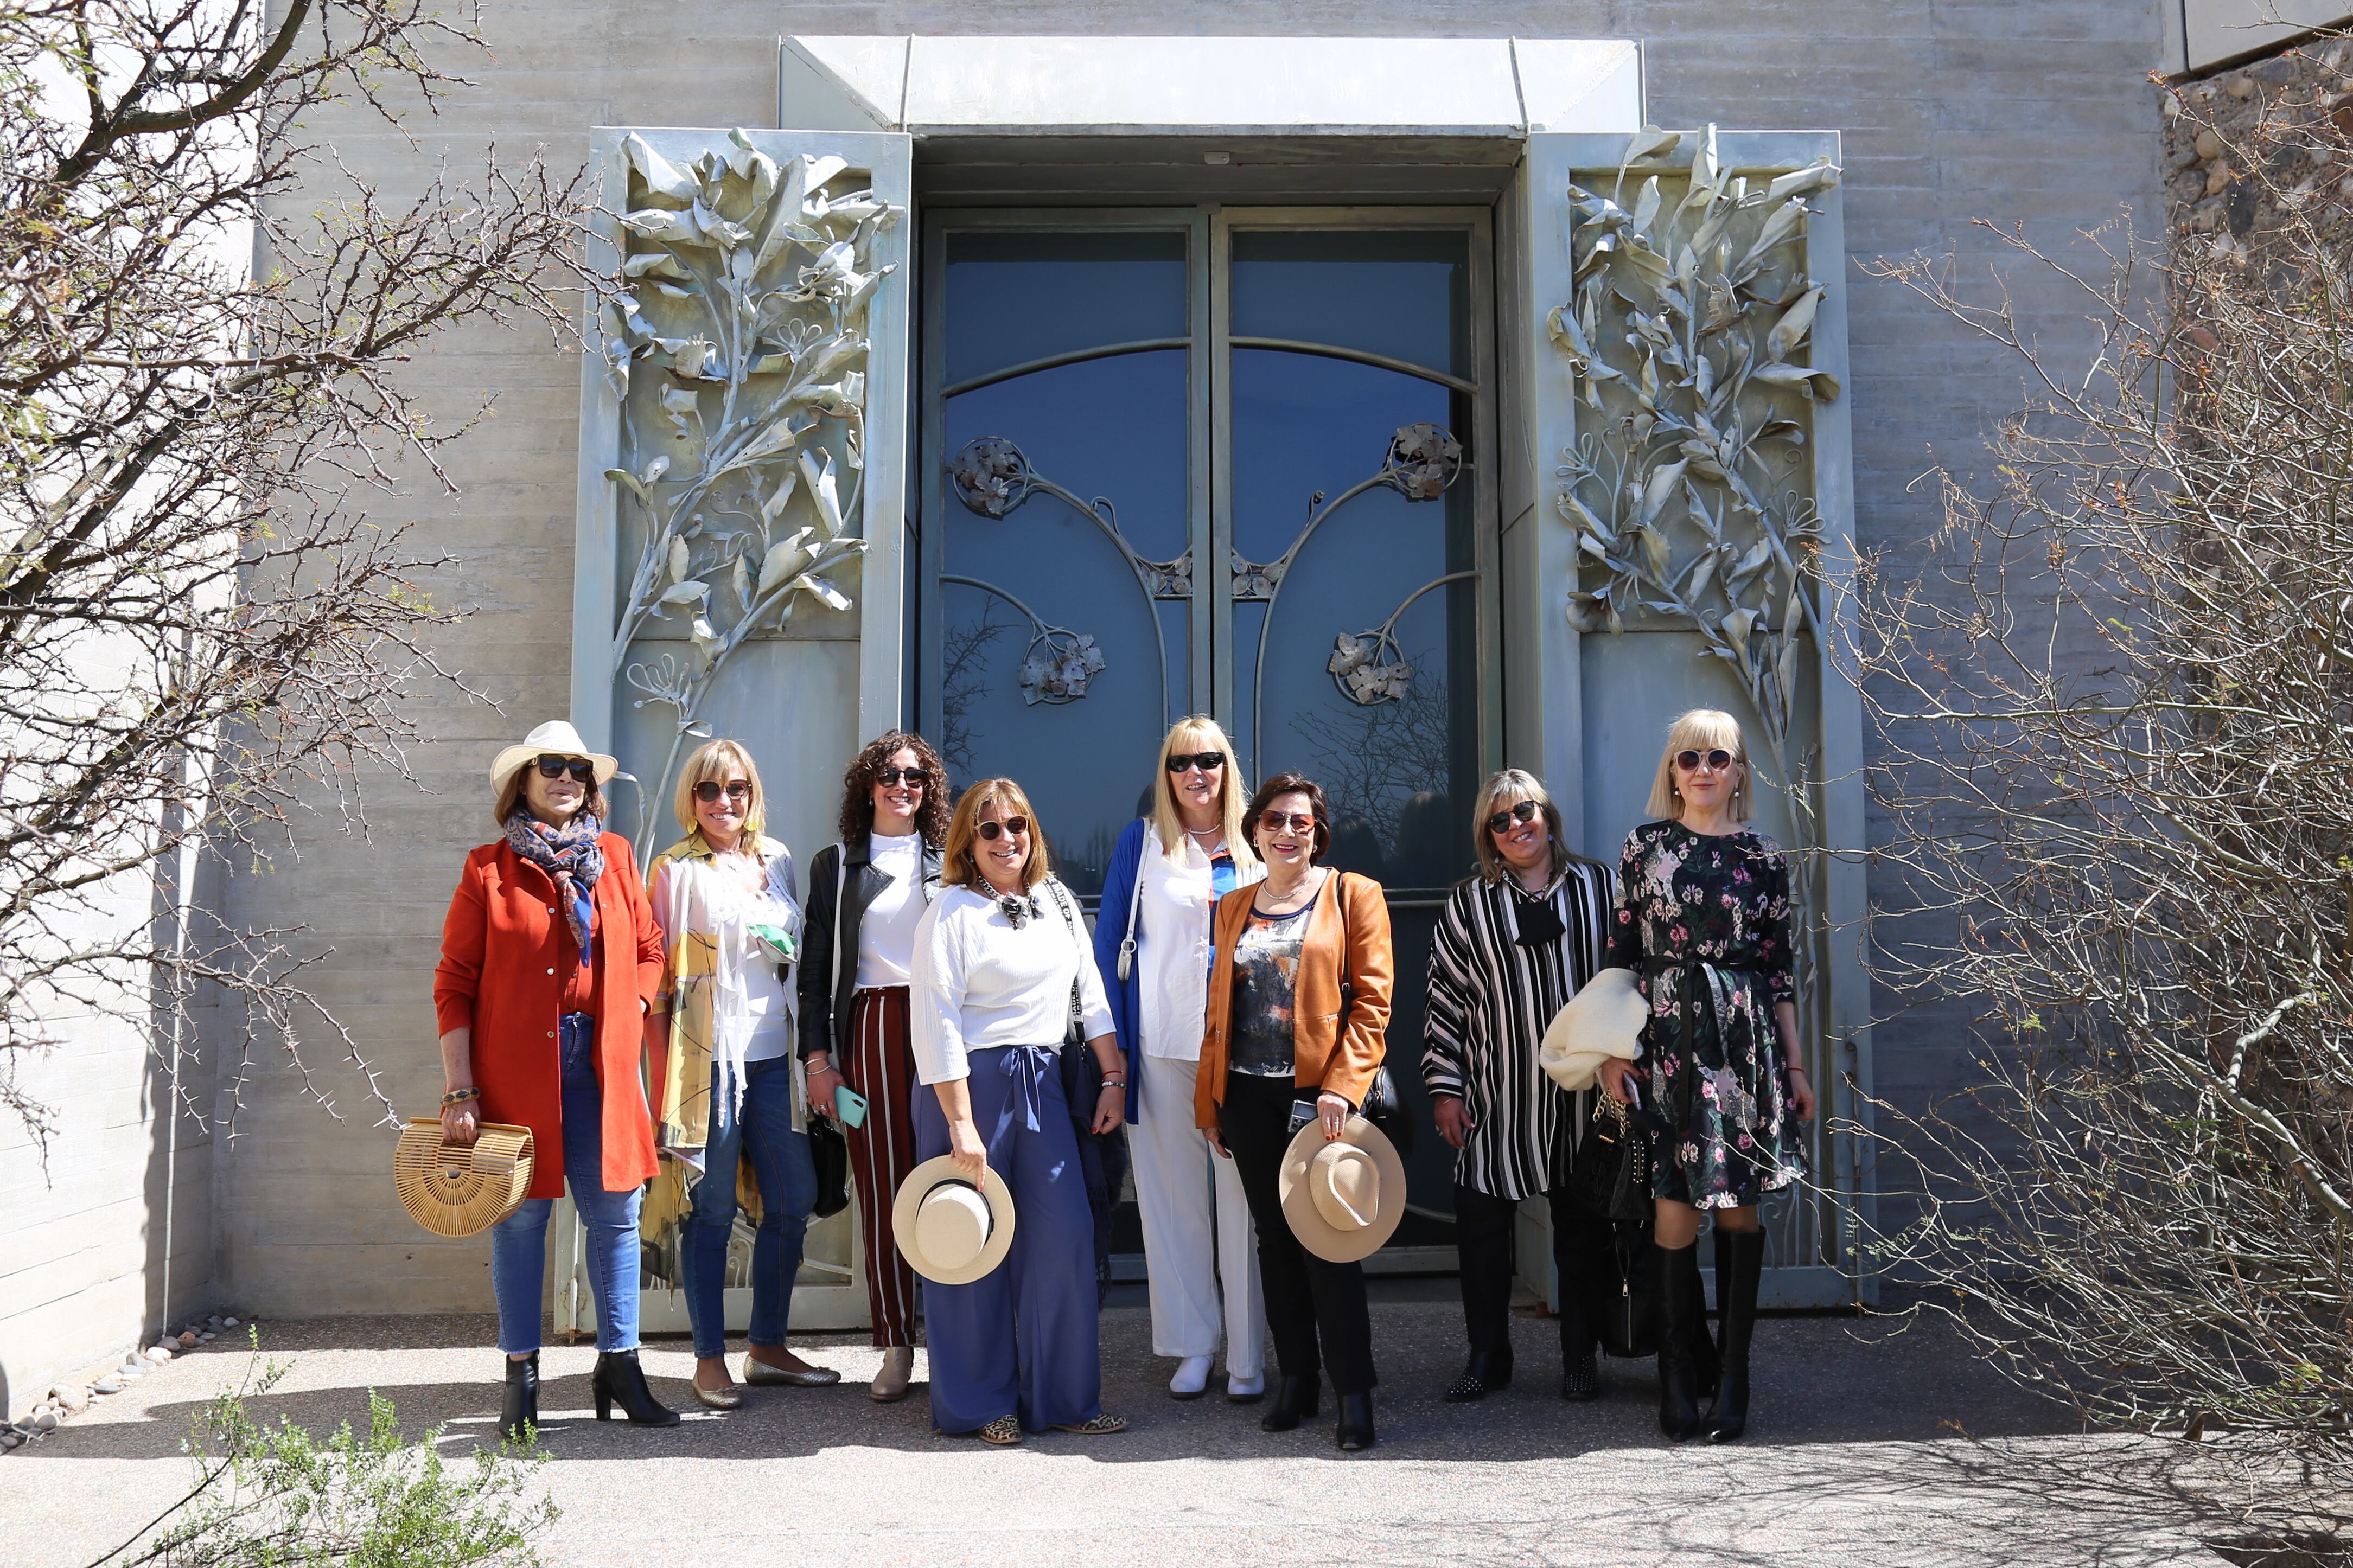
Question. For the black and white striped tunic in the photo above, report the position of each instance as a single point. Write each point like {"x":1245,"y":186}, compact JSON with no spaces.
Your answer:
{"x":1490,"y":1002}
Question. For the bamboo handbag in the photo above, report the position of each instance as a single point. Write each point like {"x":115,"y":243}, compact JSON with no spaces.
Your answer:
{"x":461,"y":1192}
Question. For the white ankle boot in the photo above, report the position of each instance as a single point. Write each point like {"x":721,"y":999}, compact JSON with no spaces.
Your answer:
{"x":1192,"y":1377}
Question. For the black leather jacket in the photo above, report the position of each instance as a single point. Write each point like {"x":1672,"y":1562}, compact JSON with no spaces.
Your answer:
{"x":827,"y":979}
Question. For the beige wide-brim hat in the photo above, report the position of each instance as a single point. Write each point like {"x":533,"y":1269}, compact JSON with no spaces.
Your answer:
{"x":1344,"y":1197}
{"x":557,"y":738}
{"x":949,"y":1231}
{"x":1603,"y":1021}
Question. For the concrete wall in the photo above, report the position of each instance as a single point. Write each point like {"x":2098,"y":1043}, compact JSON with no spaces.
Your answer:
{"x":89,"y":1217}
{"x":1950,"y":111}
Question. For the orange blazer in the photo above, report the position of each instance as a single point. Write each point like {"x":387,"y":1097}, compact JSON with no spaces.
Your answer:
{"x":501,"y":947}
{"x":1330,"y":1052}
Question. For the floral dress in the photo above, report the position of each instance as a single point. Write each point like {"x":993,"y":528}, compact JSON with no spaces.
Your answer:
{"x":1703,"y":920}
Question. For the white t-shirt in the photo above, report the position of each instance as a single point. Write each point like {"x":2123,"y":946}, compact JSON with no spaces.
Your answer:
{"x":1173,"y":912}
{"x":979,"y":982}
{"x":886,"y":932}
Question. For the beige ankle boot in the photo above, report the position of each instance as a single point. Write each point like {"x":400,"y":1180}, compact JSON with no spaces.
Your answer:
{"x":897,"y":1369}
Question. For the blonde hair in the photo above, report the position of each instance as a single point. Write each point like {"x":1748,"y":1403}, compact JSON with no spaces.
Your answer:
{"x":959,"y":867}
{"x":1509,"y":787}
{"x":1701,"y":730}
{"x":1194,"y":733}
{"x":716,"y":762}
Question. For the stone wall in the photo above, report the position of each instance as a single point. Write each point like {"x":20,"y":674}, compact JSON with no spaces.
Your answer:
{"x":2215,"y":131}
{"x":2040,"y":115}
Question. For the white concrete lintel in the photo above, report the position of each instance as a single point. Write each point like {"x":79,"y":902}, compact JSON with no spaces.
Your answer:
{"x":1192,"y":86}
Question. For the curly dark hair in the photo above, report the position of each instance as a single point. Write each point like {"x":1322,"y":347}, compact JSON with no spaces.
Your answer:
{"x":858,"y":788}
{"x":1292,"y":783}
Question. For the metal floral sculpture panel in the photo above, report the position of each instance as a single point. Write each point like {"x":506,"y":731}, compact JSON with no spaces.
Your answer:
{"x":745,"y":282}
{"x":1689,"y":331}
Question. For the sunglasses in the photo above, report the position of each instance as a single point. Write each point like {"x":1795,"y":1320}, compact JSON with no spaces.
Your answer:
{"x":737,"y":790}
{"x":1011,"y":827}
{"x":1523,"y":812}
{"x":580,"y":768}
{"x":914,"y":778}
{"x":1718,"y":760}
{"x":1276,"y":821}
{"x":1207,"y":762}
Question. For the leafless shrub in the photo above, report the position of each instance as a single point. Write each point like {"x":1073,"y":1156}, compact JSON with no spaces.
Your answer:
{"x":201,"y":629}
{"x":2116,"y":708}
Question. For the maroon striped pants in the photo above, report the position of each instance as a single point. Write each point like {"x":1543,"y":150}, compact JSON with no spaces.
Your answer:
{"x":881,"y":1066}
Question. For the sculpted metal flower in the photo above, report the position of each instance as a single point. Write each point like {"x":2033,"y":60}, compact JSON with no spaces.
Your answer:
{"x":1423,"y":461}
{"x":990,"y":474}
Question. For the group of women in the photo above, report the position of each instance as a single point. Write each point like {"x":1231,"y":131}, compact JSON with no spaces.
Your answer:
{"x":939,"y":993}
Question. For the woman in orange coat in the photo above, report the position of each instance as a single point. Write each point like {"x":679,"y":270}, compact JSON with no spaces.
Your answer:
{"x":550,"y":964}
{"x":1297,"y":1017}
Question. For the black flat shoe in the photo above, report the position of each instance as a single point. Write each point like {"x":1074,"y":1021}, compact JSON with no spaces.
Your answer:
{"x":1580,"y":1382}
{"x":519,"y":1415}
{"x":1483,"y":1375}
{"x":619,"y":1380}
{"x":1356,"y":1422}
{"x":1295,"y":1399}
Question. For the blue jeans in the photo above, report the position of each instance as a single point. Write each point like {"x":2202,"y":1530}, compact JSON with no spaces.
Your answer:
{"x":519,"y":1242}
{"x":786,"y":1177}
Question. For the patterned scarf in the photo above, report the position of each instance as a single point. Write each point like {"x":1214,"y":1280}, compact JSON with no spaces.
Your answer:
{"x":568,"y":855}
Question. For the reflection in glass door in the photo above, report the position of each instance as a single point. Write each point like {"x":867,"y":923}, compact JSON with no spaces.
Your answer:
{"x":1232,"y":463}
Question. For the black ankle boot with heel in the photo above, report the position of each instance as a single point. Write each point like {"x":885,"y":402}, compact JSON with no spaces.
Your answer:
{"x":1295,"y":1399}
{"x":1678,"y":1377}
{"x":519,"y":1415}
{"x":619,"y":1380}
{"x":1739,"y":1262}
{"x":1355,"y":1429}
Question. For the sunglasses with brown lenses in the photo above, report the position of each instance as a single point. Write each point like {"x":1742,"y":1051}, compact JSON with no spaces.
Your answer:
{"x":992,"y":831}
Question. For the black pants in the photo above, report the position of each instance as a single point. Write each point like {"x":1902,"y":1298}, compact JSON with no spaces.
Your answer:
{"x":1309,"y":1303}
{"x":1485,"y":1228}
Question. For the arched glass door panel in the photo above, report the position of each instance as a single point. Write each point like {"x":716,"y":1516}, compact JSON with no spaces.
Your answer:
{"x":1060,"y":560}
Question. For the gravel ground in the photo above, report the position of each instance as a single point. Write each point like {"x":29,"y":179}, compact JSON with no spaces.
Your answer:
{"x":1871,"y":1442}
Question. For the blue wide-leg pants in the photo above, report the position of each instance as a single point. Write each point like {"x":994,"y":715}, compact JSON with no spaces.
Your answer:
{"x":1023,"y":1341}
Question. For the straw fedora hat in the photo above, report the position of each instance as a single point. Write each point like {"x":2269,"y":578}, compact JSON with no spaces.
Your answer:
{"x":1603,"y":1020}
{"x":557,"y":738}
{"x":1343,"y":1197}
{"x":949,"y":1231}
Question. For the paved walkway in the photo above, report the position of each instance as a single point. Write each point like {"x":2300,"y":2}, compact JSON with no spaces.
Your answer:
{"x":1871,"y":1443}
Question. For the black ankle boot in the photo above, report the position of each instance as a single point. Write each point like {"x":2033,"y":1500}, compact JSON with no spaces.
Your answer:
{"x":1356,"y":1421}
{"x":518,"y":1416}
{"x":1486,"y":1371}
{"x":1678,"y":1390}
{"x":1295,"y":1399}
{"x":1708,"y":1360}
{"x":1739,"y":1260}
{"x":620,"y":1381}
{"x":1580,"y":1380}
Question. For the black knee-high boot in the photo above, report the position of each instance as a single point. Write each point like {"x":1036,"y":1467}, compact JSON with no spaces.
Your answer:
{"x":1706,"y":1360}
{"x":520,"y":1411}
{"x":1739,"y":1261}
{"x":1678,"y":1391}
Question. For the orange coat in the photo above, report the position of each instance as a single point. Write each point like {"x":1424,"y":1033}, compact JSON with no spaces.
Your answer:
{"x":1350,"y":913}
{"x":502,"y":946}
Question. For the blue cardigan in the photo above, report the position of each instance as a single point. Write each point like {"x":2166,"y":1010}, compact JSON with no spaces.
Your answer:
{"x":1111,"y":930}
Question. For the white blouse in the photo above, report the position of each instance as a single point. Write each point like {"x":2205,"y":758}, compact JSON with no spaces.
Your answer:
{"x":979,"y":982}
{"x":1173,"y":911}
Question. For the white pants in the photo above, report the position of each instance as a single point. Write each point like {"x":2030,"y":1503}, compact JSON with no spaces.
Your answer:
{"x":1196,"y":1228}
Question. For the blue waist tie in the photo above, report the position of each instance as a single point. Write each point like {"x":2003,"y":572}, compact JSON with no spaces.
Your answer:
{"x":1026,"y":1069}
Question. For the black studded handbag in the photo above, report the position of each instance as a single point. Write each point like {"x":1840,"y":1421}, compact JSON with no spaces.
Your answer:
{"x":1612,"y":1178}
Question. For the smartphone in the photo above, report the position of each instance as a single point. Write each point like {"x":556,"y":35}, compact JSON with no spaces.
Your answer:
{"x":1303,"y":1111}
{"x":848,"y":1106}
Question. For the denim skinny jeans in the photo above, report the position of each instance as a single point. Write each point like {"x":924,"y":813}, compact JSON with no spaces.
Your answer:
{"x":519,"y":1242}
{"x":761,"y":1131}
